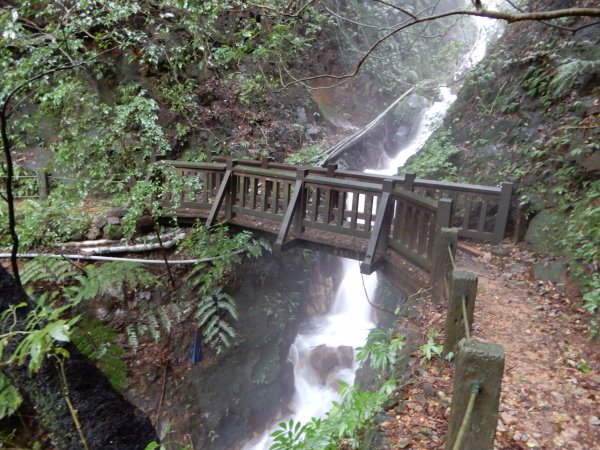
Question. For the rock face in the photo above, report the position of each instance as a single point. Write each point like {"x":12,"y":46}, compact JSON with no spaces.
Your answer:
{"x":227,"y":397}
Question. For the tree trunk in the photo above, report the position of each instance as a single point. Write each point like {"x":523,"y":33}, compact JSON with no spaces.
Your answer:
{"x":108,"y":421}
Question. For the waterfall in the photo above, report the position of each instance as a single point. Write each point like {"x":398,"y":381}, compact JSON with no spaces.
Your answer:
{"x":350,"y":318}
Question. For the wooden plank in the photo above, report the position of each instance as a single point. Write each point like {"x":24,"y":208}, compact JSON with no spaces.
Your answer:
{"x":271,"y":173}
{"x":350,"y":185}
{"x":257,"y":213}
{"x":192,"y":165}
{"x":416,"y":199}
{"x":329,"y":227}
{"x":286,"y":195}
{"x":411,"y":255}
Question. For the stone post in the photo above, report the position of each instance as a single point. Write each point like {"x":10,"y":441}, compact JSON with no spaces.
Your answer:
{"x":461,"y":285}
{"x":476,"y":362}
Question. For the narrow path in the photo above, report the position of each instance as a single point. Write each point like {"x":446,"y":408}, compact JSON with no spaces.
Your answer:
{"x":551,"y":384}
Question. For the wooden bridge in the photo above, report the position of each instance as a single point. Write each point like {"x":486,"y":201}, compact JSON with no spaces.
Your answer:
{"x":369,"y":217}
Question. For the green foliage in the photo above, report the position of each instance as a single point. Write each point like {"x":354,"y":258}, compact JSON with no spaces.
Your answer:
{"x":214,"y":315}
{"x":97,"y":341}
{"x":436,"y":159}
{"x":568,"y":73}
{"x":42,"y":270}
{"x":45,"y":222}
{"x":105,"y":278}
{"x":381,"y":349}
{"x":306,"y":155}
{"x":221,"y":250}
{"x":346,"y":420}
{"x":156,"y":320}
{"x":10,"y":400}
{"x":431,"y":348}
{"x":40,"y":334}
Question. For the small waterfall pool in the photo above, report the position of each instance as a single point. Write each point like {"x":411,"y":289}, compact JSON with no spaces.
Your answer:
{"x":351,"y":317}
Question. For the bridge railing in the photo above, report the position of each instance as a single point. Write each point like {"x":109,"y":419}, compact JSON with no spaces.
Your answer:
{"x":401,"y":215}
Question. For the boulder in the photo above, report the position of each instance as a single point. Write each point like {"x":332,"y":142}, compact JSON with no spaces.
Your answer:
{"x":346,"y":356}
{"x":324,"y":360}
{"x":543,"y":230}
{"x":548,"y":270}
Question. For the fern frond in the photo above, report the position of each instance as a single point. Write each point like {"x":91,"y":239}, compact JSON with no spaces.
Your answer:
{"x":229,"y":306}
{"x":569,"y":73}
{"x":165,"y":321}
{"x":132,"y":337}
{"x":211,"y":329}
{"x":228,"y":329}
{"x":153,"y":326}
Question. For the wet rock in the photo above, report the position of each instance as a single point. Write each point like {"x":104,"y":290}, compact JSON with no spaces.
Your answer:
{"x":548,"y":270}
{"x":346,"y":356}
{"x":541,"y":229}
{"x":301,"y":115}
{"x":323,"y":359}
{"x":93,"y":233}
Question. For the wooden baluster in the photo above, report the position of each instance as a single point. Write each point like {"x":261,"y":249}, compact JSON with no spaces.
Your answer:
{"x":368,"y":212}
{"x":467,"y":212}
{"x":327,"y":206}
{"x":354,"y":211}
{"x":482,"y":216}
{"x":421,"y":232}
{"x":275,"y":198}
{"x":339,"y":214}
{"x":314,"y":209}
{"x":286,"y":195}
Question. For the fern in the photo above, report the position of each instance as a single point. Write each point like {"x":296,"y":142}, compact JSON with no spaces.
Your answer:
{"x":47,"y":270}
{"x":213,"y":314}
{"x":568,"y":73}
{"x":155,"y":322}
{"x":96,"y":341}
{"x":102,"y":279}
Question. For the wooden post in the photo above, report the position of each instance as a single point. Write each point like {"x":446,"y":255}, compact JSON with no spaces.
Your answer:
{"x":409,"y":181}
{"x":300,"y":206}
{"x":442,"y":262}
{"x":43,"y":184}
{"x":480,"y":362}
{"x":462,"y":285}
{"x":264,"y":162}
{"x":503,"y":210}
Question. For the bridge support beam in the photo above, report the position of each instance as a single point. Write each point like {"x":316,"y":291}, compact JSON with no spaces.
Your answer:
{"x":293,"y":213}
{"x":381,"y":230}
{"x":225,"y":193}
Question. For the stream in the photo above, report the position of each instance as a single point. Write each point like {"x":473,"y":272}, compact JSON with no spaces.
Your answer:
{"x":351,"y":317}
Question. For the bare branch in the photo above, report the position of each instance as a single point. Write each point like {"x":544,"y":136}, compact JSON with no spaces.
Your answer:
{"x":398,"y":8}
{"x":507,"y":17}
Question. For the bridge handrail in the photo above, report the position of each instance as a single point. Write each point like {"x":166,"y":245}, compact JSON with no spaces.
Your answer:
{"x":480,"y":212}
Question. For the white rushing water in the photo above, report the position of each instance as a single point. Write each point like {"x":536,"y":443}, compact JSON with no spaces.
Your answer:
{"x":346,"y":324}
{"x":350,"y":318}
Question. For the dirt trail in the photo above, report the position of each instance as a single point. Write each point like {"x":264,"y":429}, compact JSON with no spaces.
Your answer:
{"x":551,"y":385}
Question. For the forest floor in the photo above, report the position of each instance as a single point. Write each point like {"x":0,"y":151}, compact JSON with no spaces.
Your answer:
{"x":551,"y":385}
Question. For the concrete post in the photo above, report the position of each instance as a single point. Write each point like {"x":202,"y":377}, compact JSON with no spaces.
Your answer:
{"x":476,"y":362}
{"x":461,"y":285}
{"x":442,"y":263}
